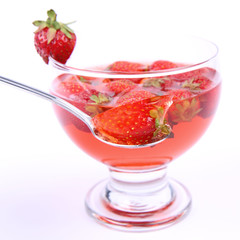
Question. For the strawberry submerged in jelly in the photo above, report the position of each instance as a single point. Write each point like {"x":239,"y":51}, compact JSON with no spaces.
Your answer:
{"x":162,"y":65}
{"x":189,"y":75}
{"x":157,"y":84}
{"x":127,"y":67}
{"x":185,"y":106}
{"x":134,"y":96}
{"x":79,"y":92}
{"x":197,"y":83}
{"x":120,"y":86}
{"x":141,"y":110}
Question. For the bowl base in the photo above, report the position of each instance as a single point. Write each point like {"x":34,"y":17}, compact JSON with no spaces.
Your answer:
{"x":137,"y":222}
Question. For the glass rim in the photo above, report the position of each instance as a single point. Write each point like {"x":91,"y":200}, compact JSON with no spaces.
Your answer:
{"x":144,"y":74}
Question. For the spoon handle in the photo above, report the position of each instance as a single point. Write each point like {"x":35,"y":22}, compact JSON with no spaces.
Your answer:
{"x":60,"y":102}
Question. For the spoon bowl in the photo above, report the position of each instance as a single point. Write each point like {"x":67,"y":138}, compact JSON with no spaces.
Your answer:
{"x":75,"y":111}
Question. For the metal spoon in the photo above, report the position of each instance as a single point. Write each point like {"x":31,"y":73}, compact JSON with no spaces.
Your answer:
{"x":72,"y":109}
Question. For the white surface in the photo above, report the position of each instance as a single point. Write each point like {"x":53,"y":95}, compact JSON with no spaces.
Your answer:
{"x":44,"y":177}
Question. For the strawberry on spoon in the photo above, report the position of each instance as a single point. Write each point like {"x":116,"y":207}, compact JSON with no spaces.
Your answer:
{"x":54,"y":39}
{"x":135,"y":123}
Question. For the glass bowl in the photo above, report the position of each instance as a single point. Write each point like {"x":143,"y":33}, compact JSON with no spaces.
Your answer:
{"x":110,"y":76}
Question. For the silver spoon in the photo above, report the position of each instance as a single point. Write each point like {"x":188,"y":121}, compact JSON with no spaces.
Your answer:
{"x":72,"y":109}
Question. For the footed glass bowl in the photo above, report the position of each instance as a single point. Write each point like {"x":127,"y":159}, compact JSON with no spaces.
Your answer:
{"x":137,"y":91}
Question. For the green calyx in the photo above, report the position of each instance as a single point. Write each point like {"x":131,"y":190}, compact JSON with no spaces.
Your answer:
{"x":99,"y":99}
{"x":53,"y":25}
{"x":160,"y":123}
{"x":155,"y":82}
{"x":191,"y":85}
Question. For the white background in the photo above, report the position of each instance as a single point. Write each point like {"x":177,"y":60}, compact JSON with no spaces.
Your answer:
{"x":44,"y":177}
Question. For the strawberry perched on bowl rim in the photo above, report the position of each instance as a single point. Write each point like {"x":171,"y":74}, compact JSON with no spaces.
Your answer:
{"x":54,"y":39}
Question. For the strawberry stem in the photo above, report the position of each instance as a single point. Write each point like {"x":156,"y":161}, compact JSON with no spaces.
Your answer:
{"x":52,"y":16}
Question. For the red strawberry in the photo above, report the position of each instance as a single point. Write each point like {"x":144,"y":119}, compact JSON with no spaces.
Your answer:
{"x":89,"y":101}
{"x":161,"y":83}
{"x":135,"y":123}
{"x":54,"y":39}
{"x":162,"y":65}
{"x":68,"y":85}
{"x":197,"y":84}
{"x":134,"y":96}
{"x":92,"y":101}
{"x":81,"y":95}
{"x":74,"y":88}
{"x":119,"y":86}
{"x":126,"y":67}
{"x":185,"y":106}
{"x":209,"y":101}
{"x":207,"y":72}
{"x":180,"y":94}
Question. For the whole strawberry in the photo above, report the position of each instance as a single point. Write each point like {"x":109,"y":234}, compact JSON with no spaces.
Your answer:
{"x":54,"y":39}
{"x":185,"y":106}
{"x":134,"y":96}
{"x":120,"y":86}
{"x":135,"y":123}
{"x":127,"y":67}
{"x":196,"y":84}
{"x":162,"y":65}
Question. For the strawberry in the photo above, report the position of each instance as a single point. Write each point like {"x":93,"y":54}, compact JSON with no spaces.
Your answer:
{"x":90,"y":103}
{"x":185,"y":106}
{"x":92,"y":100}
{"x":54,"y":39}
{"x":135,"y":123}
{"x":126,"y":67}
{"x":80,"y":94}
{"x":162,"y":65}
{"x":134,"y":96}
{"x":119,"y":86}
{"x":207,"y":72}
{"x":199,"y":83}
{"x":161,"y":83}
{"x":74,"y":88}
{"x":68,"y":85}
{"x":209,"y":102}
{"x":180,"y":94}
